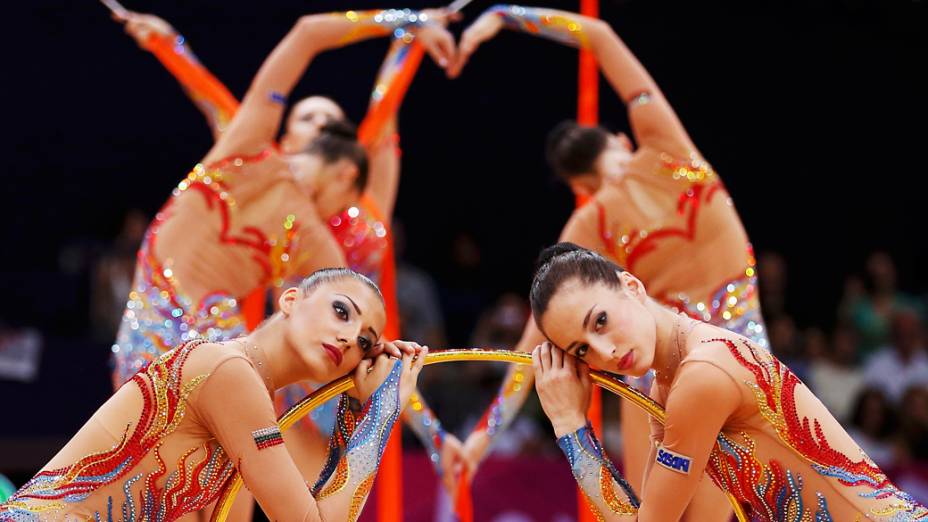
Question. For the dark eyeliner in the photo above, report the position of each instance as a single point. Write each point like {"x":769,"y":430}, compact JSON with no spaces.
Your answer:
{"x":341,"y":310}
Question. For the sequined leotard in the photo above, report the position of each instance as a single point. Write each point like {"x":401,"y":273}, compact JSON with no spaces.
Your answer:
{"x":780,"y":453}
{"x":166,"y":442}
{"x":670,"y":222}
{"x":362,"y":231}
{"x":227,"y":229}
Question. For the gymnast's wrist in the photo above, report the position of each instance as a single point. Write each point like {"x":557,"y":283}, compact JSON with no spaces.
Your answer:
{"x":509,"y":13}
{"x":568,"y":425}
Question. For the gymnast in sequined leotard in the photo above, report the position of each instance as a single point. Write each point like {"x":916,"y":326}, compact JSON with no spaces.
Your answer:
{"x":733,"y":410}
{"x":361,"y":228}
{"x":659,"y":210}
{"x":166,"y":442}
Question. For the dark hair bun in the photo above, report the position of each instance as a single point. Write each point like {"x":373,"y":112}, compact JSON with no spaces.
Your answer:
{"x":340,"y":129}
{"x":556,"y":250}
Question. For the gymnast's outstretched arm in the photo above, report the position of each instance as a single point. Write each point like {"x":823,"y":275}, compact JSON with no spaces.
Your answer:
{"x":256,"y":123}
{"x":652,"y":118}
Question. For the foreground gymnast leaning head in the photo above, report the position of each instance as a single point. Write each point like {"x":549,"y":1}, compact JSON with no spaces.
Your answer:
{"x":204,"y":410}
{"x":332,"y":321}
{"x":593,"y":309}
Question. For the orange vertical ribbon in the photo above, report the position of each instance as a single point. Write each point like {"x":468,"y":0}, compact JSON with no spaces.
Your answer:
{"x":588,"y":114}
{"x":253,"y":308}
{"x":390,"y":475}
{"x":371,"y":129}
{"x":191,"y":74}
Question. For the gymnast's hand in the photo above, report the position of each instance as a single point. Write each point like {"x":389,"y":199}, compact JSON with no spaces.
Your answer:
{"x":372,"y":372}
{"x":475,"y":447}
{"x":563,"y":385}
{"x":453,"y":465}
{"x":141,"y":26}
{"x":396,"y":349}
{"x":437,"y":41}
{"x":483,"y":29}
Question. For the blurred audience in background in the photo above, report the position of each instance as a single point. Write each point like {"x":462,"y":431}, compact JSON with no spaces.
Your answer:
{"x":867,"y":361}
{"x":112,"y":277}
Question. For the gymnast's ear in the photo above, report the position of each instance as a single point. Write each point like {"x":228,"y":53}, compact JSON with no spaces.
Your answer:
{"x":625,"y":141}
{"x":288,"y":298}
{"x":632,"y":286}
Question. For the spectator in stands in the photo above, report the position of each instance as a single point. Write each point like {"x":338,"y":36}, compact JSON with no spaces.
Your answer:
{"x":786,"y":344}
{"x":835,"y":379}
{"x":903,"y":363}
{"x":872,"y":311}
{"x":112,"y":277}
{"x":872,"y":424}
{"x":771,"y":269}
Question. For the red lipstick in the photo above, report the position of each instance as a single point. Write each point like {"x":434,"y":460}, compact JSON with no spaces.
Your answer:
{"x":333,"y":352}
{"x":627,"y":360}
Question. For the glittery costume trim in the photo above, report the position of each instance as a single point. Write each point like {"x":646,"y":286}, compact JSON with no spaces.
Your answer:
{"x":773,"y":492}
{"x":322,"y":418}
{"x":267,"y":437}
{"x":384,"y":22}
{"x":505,"y":406}
{"x":158,"y":314}
{"x":602,"y":485}
{"x":543,"y":22}
{"x":358,"y":443}
{"x":735,"y":306}
{"x":641,"y":98}
{"x":190,"y":487}
{"x":428,"y":429}
{"x":363,"y":238}
{"x":700,"y":185}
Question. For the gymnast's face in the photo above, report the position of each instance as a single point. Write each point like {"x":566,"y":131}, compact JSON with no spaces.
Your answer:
{"x":614,"y":160}
{"x":305,"y":121}
{"x":333,"y":326}
{"x":330,"y":185}
{"x":608,"y":327}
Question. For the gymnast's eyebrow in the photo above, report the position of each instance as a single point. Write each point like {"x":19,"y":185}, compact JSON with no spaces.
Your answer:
{"x":587,"y":318}
{"x":352,"y":303}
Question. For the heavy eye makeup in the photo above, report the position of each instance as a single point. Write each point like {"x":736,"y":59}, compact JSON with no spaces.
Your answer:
{"x":341,"y":310}
{"x":600,"y":322}
{"x":581,"y":351}
{"x":365,"y":344}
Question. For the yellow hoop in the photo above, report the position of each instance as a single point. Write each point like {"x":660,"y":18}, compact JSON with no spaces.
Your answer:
{"x":605,"y":380}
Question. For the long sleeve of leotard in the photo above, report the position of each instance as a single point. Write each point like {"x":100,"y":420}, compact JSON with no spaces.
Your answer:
{"x":560,"y":26}
{"x":607,"y":492}
{"x":355,"y":448}
{"x":428,"y":429}
{"x":505,"y":407}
